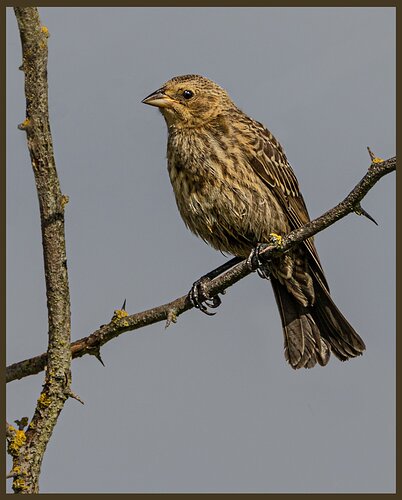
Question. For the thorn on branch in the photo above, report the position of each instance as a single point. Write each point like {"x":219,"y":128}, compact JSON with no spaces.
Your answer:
{"x":373,"y":157}
{"x":64,"y":200}
{"x":71,"y":394}
{"x":171,"y":318}
{"x":96,"y":352}
{"x":360,"y":211}
{"x":22,"y":423}
{"x":25,"y":125}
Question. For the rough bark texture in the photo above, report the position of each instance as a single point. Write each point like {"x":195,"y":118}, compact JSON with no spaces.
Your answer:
{"x":28,"y":452}
{"x":121,"y":322}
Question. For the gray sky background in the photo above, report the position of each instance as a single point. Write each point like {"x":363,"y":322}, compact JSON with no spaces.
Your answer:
{"x":210,"y":404}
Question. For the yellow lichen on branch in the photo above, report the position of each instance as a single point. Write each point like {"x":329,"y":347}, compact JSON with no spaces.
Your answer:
{"x":16,"y":442}
{"x":120,"y":314}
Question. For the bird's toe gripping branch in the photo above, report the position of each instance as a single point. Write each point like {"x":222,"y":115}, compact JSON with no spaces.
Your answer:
{"x":254,"y":261}
{"x":200,"y":299}
{"x":198,"y":296}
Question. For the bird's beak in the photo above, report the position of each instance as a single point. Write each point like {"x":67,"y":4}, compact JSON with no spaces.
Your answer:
{"x":158,"y":98}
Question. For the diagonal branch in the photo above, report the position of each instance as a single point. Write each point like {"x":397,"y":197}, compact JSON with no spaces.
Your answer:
{"x":27,"y":458}
{"x":121,"y":322}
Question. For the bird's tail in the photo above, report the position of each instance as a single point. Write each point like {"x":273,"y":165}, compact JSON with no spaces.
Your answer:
{"x":312,"y":332}
{"x":334,"y":327}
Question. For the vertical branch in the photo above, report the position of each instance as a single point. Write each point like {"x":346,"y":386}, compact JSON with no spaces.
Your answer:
{"x":27,"y":457}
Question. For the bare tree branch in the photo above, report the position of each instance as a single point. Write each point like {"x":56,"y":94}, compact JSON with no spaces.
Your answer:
{"x":28,"y":455}
{"x":121,"y":322}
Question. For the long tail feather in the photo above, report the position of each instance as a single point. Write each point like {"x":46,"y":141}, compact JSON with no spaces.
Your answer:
{"x":303,"y":344}
{"x":312,"y":332}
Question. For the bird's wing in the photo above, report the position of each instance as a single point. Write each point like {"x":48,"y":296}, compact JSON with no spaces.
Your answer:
{"x":271,"y":165}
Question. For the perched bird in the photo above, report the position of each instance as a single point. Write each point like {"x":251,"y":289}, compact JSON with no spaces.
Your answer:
{"x":235,"y":188}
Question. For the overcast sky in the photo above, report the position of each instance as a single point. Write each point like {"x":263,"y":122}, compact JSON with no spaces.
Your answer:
{"x":209,"y":404}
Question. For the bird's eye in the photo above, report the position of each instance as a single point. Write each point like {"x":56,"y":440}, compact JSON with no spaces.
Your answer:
{"x":187,"y":94}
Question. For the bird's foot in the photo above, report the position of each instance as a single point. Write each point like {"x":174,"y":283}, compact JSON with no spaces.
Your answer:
{"x":254,"y":261}
{"x":200,"y":299}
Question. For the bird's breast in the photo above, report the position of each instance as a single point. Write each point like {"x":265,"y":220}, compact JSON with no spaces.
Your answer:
{"x":216,"y":192}
{"x":195,"y":168}
{"x":195,"y":182}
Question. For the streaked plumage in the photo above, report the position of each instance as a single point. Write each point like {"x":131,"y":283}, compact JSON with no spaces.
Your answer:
{"x":234,"y":187}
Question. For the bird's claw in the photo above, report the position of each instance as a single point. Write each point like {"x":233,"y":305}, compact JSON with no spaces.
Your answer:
{"x":253,"y":260}
{"x":200,"y":299}
{"x":255,"y":264}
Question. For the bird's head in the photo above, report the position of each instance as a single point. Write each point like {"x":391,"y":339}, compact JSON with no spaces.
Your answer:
{"x":189,"y":101}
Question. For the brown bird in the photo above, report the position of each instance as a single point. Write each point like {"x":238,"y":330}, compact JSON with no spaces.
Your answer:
{"x":235,"y":188}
